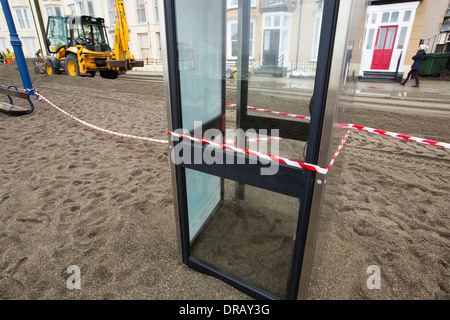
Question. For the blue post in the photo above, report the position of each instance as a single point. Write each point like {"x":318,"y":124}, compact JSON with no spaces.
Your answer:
{"x":17,"y":46}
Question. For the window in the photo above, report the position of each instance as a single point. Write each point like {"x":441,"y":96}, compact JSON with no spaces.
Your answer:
{"x":81,"y":5}
{"x":2,"y":44}
{"x":111,"y":12}
{"x":374,"y":17}
{"x":407,"y":16}
{"x":402,"y":37}
{"x":276,"y":21}
{"x":370,"y":39}
{"x":53,"y":11}
{"x":158,"y":42}
{"x":390,"y":38}
{"x":316,"y":35}
{"x":232,"y":4}
{"x":81,"y":8}
{"x":144,"y":45}
{"x":156,"y":11}
{"x":140,"y":5}
{"x":90,"y":8}
{"x":23,"y":17}
{"x":72,"y":10}
{"x":29,"y":46}
{"x":381,"y":38}
{"x":233,"y":39}
{"x":385,"y":17}
{"x":394,"y":16}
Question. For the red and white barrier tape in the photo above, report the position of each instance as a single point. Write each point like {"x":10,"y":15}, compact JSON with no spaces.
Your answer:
{"x":233,"y":141}
{"x":98,"y":128}
{"x":395,"y":135}
{"x":286,"y":161}
{"x":361,"y":128}
{"x":271,"y":111}
{"x":341,"y":145}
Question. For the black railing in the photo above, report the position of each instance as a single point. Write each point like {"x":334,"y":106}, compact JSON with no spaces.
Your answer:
{"x":279,"y":66}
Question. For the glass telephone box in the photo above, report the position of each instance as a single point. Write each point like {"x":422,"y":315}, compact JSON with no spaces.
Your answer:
{"x":238,"y":73}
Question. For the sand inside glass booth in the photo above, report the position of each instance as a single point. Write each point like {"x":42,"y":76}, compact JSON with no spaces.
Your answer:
{"x":241,"y":216}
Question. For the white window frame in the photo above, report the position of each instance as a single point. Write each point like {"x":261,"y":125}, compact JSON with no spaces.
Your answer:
{"x":30,"y":46}
{"x":316,"y":35}
{"x":281,"y":27}
{"x":3,"y":45}
{"x":156,"y":6}
{"x":141,"y":47}
{"x":111,"y":12}
{"x":83,"y":8}
{"x":233,"y":4}
{"x":72,"y":9}
{"x":229,"y":42}
{"x":52,"y":9}
{"x":138,"y":10}
{"x":24,"y":17}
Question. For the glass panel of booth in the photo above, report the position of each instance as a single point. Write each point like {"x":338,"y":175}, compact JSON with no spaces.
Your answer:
{"x":250,"y":237}
{"x":200,"y":65}
{"x":200,"y":60}
{"x":282,"y":62}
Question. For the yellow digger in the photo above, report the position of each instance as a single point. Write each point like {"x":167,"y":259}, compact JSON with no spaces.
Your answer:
{"x":80,"y":47}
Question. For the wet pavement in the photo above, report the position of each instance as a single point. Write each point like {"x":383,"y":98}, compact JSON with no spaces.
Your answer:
{"x":428,"y":89}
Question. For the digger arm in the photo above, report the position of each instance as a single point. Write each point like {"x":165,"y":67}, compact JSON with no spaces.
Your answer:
{"x":122,"y":57}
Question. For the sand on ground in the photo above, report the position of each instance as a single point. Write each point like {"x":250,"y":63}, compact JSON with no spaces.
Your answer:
{"x":70,"y":195}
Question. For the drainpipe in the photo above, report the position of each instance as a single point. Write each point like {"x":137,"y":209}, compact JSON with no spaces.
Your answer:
{"x":17,"y":46}
{"x":298,"y":31}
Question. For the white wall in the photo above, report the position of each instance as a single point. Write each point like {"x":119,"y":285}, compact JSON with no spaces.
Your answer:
{"x":25,"y":26}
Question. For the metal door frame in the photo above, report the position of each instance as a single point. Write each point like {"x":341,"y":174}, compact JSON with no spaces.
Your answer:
{"x":299,"y":183}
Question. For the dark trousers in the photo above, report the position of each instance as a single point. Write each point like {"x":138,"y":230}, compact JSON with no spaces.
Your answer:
{"x":413,"y":73}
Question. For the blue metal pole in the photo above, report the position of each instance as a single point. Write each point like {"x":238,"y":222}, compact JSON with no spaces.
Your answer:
{"x":17,"y":46}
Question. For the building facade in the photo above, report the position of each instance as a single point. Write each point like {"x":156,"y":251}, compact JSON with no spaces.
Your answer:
{"x":394,"y":30}
{"x":27,"y":26}
{"x":142,"y":18}
{"x":282,"y":32}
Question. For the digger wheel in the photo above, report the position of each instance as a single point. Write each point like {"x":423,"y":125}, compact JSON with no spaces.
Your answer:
{"x":72,"y":67}
{"x":50,"y":69}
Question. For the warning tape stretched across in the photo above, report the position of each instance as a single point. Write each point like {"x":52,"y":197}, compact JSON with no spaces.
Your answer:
{"x":361,"y":128}
{"x":286,"y":161}
{"x":98,"y":128}
{"x":341,"y":145}
{"x":395,"y":135}
{"x":271,"y":111}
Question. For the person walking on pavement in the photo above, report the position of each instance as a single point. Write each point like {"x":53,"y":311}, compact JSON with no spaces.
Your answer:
{"x":417,"y":65}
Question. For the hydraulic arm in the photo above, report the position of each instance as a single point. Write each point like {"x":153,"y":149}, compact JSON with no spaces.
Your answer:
{"x":121,"y":56}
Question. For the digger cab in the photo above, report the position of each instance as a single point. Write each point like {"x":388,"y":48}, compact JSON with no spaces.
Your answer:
{"x":86,"y":31}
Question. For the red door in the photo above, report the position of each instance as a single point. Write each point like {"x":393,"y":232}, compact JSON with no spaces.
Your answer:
{"x":384,"y":47}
